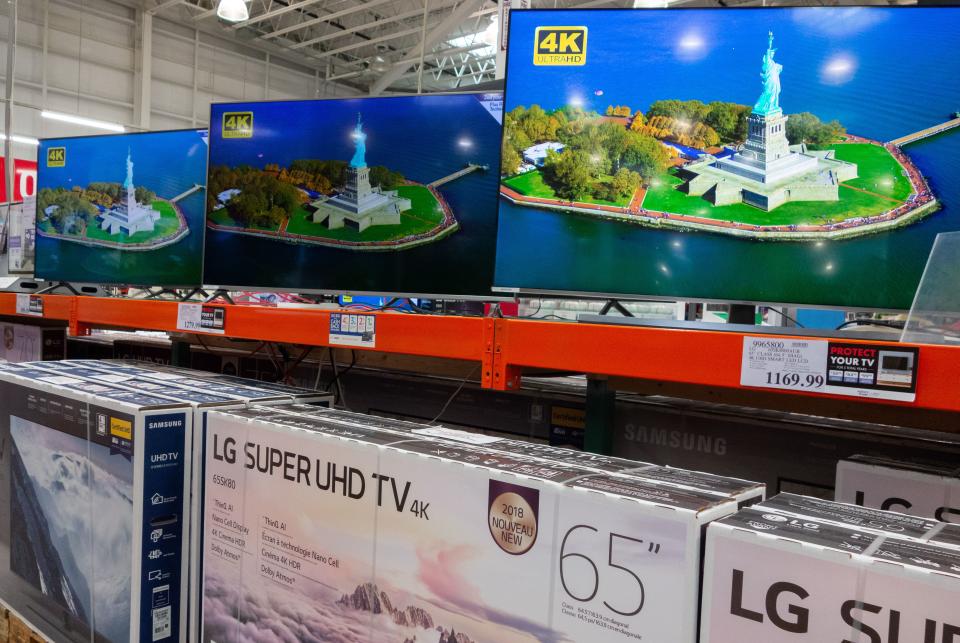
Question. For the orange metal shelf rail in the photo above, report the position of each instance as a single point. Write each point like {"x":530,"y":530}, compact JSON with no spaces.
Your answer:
{"x":699,"y":357}
{"x":462,"y":338}
{"x":503,"y":347}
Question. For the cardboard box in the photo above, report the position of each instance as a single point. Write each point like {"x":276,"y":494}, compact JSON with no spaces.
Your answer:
{"x":338,"y":531}
{"x":203,"y":395}
{"x":775,"y":577}
{"x":921,"y":489}
{"x":96,"y":493}
{"x":19,"y":631}
{"x":32,"y":342}
{"x":743,"y":491}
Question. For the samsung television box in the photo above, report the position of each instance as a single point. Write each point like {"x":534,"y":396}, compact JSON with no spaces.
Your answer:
{"x":922,"y":489}
{"x":743,"y":491}
{"x":94,"y":493}
{"x":777,"y":577}
{"x":382,"y":536}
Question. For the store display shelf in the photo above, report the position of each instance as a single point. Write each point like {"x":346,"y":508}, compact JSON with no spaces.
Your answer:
{"x":506,"y":348}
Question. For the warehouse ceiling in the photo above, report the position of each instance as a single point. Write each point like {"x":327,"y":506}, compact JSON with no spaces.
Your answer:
{"x":376,"y":46}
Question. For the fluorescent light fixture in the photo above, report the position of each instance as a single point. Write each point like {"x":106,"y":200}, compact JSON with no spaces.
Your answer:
{"x":25,"y":140}
{"x":233,"y":10}
{"x":80,"y":120}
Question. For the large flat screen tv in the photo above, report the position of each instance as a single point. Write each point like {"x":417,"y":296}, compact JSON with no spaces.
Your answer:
{"x":385,"y":195}
{"x":122,"y":209}
{"x":791,"y":155}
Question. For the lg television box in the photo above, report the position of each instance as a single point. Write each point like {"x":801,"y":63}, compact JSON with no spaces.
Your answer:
{"x":778,"y":578}
{"x":32,"y":342}
{"x":388,"y":537}
{"x":743,"y":491}
{"x":95,"y":495}
{"x":929,"y":490}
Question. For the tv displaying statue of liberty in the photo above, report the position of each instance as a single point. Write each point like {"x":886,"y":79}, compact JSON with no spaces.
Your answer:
{"x":769,"y":101}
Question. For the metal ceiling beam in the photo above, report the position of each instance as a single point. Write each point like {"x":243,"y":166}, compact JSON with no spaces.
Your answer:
{"x":368,"y":25}
{"x":293,"y":6}
{"x":435,"y":35}
{"x":325,"y":18}
{"x":357,"y":45}
{"x":164,"y":5}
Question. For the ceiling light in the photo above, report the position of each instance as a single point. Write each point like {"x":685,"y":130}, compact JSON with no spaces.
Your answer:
{"x":80,"y":120}
{"x":25,"y":140}
{"x":233,"y":10}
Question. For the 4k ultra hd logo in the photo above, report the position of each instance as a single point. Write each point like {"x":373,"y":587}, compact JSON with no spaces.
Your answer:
{"x":560,"y":46}
{"x":56,"y":157}
{"x":237,"y":125}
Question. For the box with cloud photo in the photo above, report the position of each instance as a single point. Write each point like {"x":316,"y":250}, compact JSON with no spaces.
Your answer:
{"x":92,"y":488}
{"x":382,"y":536}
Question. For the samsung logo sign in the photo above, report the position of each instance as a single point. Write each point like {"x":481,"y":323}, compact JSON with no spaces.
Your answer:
{"x":675,"y":439}
{"x":166,"y":424}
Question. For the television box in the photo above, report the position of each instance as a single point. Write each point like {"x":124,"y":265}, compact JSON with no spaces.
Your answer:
{"x":122,"y":208}
{"x":889,"y":522}
{"x":19,"y":631}
{"x":778,"y":578}
{"x":32,"y":342}
{"x":921,"y":489}
{"x":203,"y":395}
{"x":743,"y":491}
{"x":948,"y":536}
{"x":96,"y":494}
{"x":382,"y":536}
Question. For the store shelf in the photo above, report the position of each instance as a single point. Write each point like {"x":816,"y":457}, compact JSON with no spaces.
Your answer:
{"x":506,"y":348}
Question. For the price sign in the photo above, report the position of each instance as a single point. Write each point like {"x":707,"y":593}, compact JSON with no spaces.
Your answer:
{"x":29,"y":305}
{"x":353,"y":330}
{"x":854,"y":369}
{"x":200,"y":318}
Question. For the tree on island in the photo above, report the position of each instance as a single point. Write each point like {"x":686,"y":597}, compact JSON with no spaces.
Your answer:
{"x":807,"y":128}
{"x":571,"y":173}
{"x":729,"y":120}
{"x":619,"y":110}
{"x":509,"y":158}
{"x":71,"y":214}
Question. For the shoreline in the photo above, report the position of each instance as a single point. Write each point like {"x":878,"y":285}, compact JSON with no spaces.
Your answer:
{"x":855,"y":227}
{"x":447,"y":226}
{"x":182,"y":232}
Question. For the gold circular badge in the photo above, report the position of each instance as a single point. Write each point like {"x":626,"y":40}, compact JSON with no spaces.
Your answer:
{"x":513,"y":523}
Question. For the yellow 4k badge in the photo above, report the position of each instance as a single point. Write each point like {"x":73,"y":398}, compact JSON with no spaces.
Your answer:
{"x":56,"y":157}
{"x":560,"y":46}
{"x":237,"y":125}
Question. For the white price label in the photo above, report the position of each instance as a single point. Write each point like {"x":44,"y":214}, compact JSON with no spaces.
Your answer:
{"x":201,"y":318}
{"x":29,"y":305}
{"x":784,"y":363}
{"x":880,"y":371}
{"x":353,"y":330}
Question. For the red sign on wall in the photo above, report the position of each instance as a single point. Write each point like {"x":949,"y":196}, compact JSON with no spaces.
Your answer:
{"x":24,"y":181}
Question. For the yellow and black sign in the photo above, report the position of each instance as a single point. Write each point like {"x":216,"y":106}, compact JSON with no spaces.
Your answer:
{"x":56,"y":157}
{"x":560,"y":46}
{"x":237,"y":125}
{"x":122,"y":429}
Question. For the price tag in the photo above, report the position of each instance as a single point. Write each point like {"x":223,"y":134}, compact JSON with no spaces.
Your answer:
{"x":201,"y":318}
{"x":353,"y":330}
{"x":877,"y":371}
{"x":29,"y":305}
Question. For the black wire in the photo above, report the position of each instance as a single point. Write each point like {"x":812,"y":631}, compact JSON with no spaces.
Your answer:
{"x":534,"y":313}
{"x":784,"y":315}
{"x":454,"y":395}
{"x":872,"y":322}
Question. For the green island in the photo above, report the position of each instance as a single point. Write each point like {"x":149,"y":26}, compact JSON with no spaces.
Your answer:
{"x":81,"y":215}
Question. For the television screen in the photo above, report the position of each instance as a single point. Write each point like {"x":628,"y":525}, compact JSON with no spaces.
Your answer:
{"x":122,"y":209}
{"x":793,"y":155}
{"x":385,"y":195}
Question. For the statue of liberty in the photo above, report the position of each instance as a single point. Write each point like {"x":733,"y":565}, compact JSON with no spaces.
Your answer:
{"x":769,"y":101}
{"x":360,"y":146}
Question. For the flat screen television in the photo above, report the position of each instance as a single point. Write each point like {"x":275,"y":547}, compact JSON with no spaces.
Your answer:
{"x":789,"y":155}
{"x":377,"y":195}
{"x":122,"y":209}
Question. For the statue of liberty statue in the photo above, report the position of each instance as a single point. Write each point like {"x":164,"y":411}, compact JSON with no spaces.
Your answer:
{"x":360,"y":146}
{"x":769,"y":101}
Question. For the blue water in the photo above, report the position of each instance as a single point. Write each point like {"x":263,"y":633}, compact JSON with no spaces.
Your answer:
{"x":424,"y":138}
{"x":168,"y":163}
{"x":895,"y":71}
